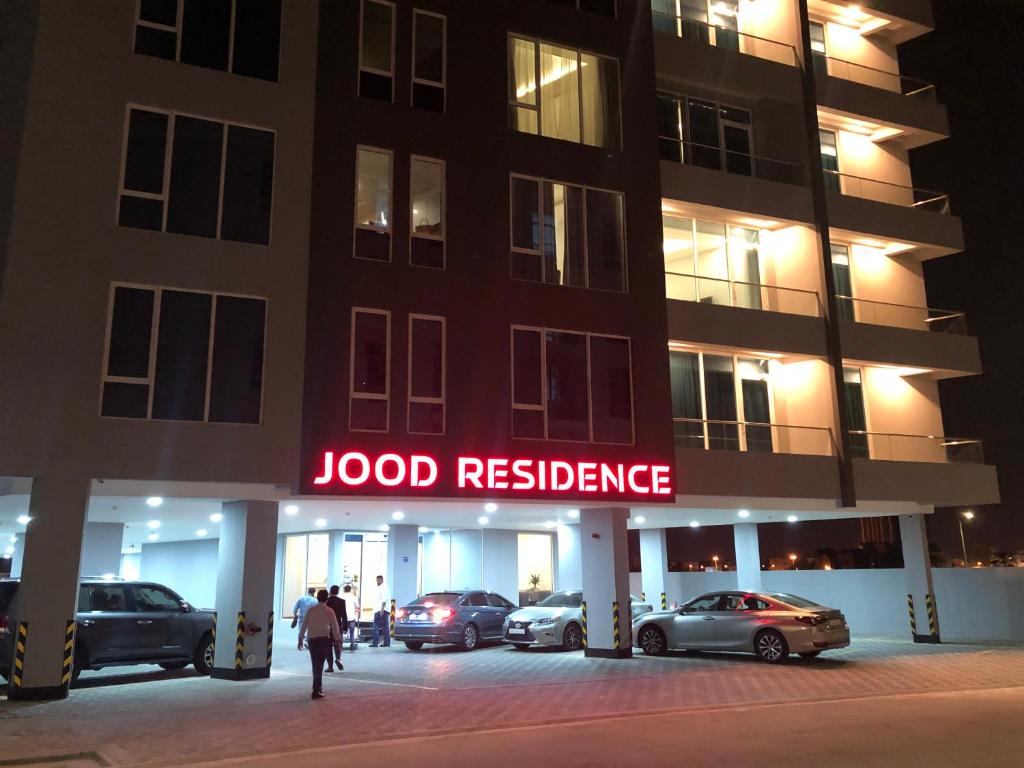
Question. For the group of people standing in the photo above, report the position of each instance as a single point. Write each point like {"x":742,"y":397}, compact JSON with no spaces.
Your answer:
{"x":328,"y":618}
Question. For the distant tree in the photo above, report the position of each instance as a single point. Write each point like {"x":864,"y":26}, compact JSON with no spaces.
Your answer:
{"x":936,"y":555}
{"x":1002,"y":559}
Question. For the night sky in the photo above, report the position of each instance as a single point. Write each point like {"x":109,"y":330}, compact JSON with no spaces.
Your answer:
{"x":974,"y":58}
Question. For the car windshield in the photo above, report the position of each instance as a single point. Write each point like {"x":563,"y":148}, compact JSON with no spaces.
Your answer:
{"x":437,"y":598}
{"x":562,"y":600}
{"x":796,"y":602}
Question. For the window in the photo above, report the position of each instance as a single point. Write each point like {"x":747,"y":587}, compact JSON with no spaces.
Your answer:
{"x":819,"y":52}
{"x":721,"y":402}
{"x":184,"y":355}
{"x":478,"y":599}
{"x":600,"y":7}
{"x":426,"y":375}
{"x":429,"y":60}
{"x":155,"y":599}
{"x":377,"y":51}
{"x":427,"y":200}
{"x":713,"y":22}
{"x":373,"y":204}
{"x":563,"y":93}
{"x":108,"y":598}
{"x":216,"y":181}
{"x":704,"y":133}
{"x":571,"y":386}
{"x":565,"y":234}
{"x":842,"y":281}
{"x":703,"y":604}
{"x":239,"y":36}
{"x":370,"y":366}
{"x":856,"y":413}
{"x":712,"y":263}
{"x":829,"y":160}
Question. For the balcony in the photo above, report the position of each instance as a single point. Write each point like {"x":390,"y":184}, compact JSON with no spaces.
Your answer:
{"x":900,"y":316}
{"x":724,"y":38}
{"x":892,"y":82}
{"x":734,"y":293}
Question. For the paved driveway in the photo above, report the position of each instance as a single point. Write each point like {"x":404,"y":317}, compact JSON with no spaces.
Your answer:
{"x":129,"y":718}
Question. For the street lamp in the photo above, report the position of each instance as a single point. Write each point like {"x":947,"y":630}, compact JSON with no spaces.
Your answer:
{"x":968,"y":515}
{"x":714,"y":559}
{"x":792,"y":559}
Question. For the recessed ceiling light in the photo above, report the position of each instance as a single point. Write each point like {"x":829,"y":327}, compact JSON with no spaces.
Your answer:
{"x":320,"y":523}
{"x":640,"y":519}
{"x":490,"y":507}
{"x":550,"y":524}
{"x":24,"y":519}
{"x":792,"y":519}
{"x":9,"y":550}
{"x":14,"y":539}
{"x":291,"y":509}
{"x":573,"y":513}
{"x":201,"y":532}
{"x":155,"y":501}
{"x":153,"y":525}
{"x":744,"y":513}
{"x":153,"y":536}
{"x":216,"y":517}
{"x":483,"y":519}
{"x":694,"y":524}
{"x":423,"y":529}
{"x":398,"y":515}
{"x":7,"y":555}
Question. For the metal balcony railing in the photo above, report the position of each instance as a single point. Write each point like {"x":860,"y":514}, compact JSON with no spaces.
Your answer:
{"x":730,"y":161}
{"x":902,"y":316}
{"x":723,"y":37}
{"x":883,"y":446}
{"x":886,"y":192}
{"x":735,"y":293}
{"x":753,"y":437}
{"x":877,"y":78}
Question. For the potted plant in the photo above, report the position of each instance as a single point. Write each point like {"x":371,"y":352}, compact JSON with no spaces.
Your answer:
{"x":534,"y":583}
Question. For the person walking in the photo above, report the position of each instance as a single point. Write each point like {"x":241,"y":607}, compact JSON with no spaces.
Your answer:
{"x":336,"y":604}
{"x":381,"y":615}
{"x":302,"y":605}
{"x":320,"y":623}
{"x":352,"y":607}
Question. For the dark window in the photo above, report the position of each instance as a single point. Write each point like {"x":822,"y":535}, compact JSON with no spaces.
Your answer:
{"x":130,"y":327}
{"x":195,"y":177}
{"x":670,"y":129}
{"x":601,"y":7}
{"x":702,"y":119}
{"x":429,"y":62}
{"x":687,"y":415}
{"x":179,"y":389}
{"x":108,"y":598}
{"x":369,"y":401}
{"x":720,"y":397}
{"x":257,"y":41}
{"x":605,"y":241}
{"x":127,"y":401}
{"x":611,"y":390}
{"x":144,"y":170}
{"x":84,"y":602}
{"x":248,"y":185}
{"x":497,"y":601}
{"x":526,"y":229}
{"x":159,"y":11}
{"x":478,"y":599}
{"x":527,"y":384}
{"x":856,"y":416}
{"x":376,"y":76}
{"x":568,"y":402}
{"x":426,"y":375}
{"x":157,"y":31}
{"x":154,"y":599}
{"x":206,"y":33}
{"x":236,"y":382}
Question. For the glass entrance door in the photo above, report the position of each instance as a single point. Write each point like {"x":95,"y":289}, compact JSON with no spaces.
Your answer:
{"x":305,"y":566}
{"x":364,"y":556}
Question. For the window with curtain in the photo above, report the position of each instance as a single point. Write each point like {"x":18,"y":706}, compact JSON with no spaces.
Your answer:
{"x":856,"y":414}
{"x":829,"y":160}
{"x":373,"y":204}
{"x":841,"y":281}
{"x":712,"y":263}
{"x":563,"y":93}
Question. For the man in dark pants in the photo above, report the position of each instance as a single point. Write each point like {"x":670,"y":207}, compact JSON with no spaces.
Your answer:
{"x":321,"y":625}
{"x":337,"y":604}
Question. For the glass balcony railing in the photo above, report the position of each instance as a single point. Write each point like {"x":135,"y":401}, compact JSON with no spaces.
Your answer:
{"x":753,"y":437}
{"x":724,"y":37}
{"x":886,"y":192}
{"x":730,"y":161}
{"x":880,"y":446}
{"x":877,"y":78}
{"x":901,"y":316}
{"x":734,"y":293}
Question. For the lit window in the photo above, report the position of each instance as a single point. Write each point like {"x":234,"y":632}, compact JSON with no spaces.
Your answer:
{"x":427,"y":213}
{"x":373,"y":204}
{"x":377,"y":50}
{"x":426,"y":374}
{"x":429,"y":62}
{"x":370,"y":365}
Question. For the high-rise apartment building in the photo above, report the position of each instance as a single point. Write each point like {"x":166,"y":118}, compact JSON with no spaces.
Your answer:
{"x":440,"y":288}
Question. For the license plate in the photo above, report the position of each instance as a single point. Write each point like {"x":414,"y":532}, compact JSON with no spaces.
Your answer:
{"x":420,"y":617}
{"x":516,"y":631}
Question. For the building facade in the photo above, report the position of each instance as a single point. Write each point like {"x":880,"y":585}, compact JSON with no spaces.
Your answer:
{"x":458,"y":291}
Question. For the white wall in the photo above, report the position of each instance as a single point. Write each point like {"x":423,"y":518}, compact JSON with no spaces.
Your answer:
{"x":501,"y":563}
{"x":467,"y":560}
{"x":101,"y":548}
{"x":569,"y":569}
{"x":187,"y":567}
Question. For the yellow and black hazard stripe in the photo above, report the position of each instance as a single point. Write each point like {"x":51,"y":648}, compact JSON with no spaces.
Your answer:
{"x":69,"y":652}
{"x":270,"y":639}
{"x":240,"y":640}
{"x":933,"y":617}
{"x":664,"y":601}
{"x":583,"y":605}
{"x":20,"y":643}
{"x":616,"y":641}
{"x":213,"y":635}
{"x":913,"y":618}
{"x":643,"y":595}
{"x":391,"y":624}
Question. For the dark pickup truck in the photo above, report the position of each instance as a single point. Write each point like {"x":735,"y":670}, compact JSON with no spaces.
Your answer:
{"x":120,"y":623}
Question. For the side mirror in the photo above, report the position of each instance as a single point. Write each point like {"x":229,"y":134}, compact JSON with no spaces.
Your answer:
{"x":185,"y":607}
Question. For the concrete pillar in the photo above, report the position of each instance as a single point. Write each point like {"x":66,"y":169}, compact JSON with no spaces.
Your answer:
{"x":654,"y":565}
{"x":748,"y":557}
{"x":570,"y":566}
{"x":403,"y":563}
{"x":604,"y":552}
{"x":48,"y":596}
{"x":101,"y":549}
{"x":245,"y":585}
{"x":917,"y":565}
{"x":18,"y":558}
{"x":501,"y":563}
{"x":437,"y":563}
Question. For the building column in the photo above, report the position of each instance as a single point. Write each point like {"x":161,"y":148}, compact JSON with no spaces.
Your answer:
{"x":48,"y":594}
{"x":18,"y":558}
{"x":604,"y":552}
{"x":570,"y":567}
{"x":246,"y":556}
{"x":501,"y":563}
{"x":654,"y":566}
{"x":917,"y":565}
{"x":403,"y":563}
{"x":748,"y":557}
{"x":101,"y":549}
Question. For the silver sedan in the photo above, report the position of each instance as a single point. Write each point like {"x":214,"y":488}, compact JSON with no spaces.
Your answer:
{"x":556,"y":620}
{"x":771,"y":625}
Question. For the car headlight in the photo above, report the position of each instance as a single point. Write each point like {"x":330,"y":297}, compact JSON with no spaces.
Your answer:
{"x":548,"y":620}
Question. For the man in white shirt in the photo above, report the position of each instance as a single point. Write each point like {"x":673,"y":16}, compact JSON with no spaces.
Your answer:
{"x":353,"y":613}
{"x":381,"y":615}
{"x":320,"y":623}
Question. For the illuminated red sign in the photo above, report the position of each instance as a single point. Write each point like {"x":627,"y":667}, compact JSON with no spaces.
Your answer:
{"x":355,"y":470}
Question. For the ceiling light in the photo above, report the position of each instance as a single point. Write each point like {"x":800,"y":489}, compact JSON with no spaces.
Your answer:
{"x":791,"y":519}
{"x":398,"y":515}
{"x":490,"y":507}
{"x":7,"y":556}
{"x":201,"y":532}
{"x":14,"y":539}
{"x":24,"y":519}
{"x":155,"y":501}
{"x":153,"y":536}
{"x":694,"y":524}
{"x":385,"y":527}
{"x":107,"y":576}
{"x":291,"y":509}
{"x":423,"y":529}
{"x":640,"y":520}
{"x":573,"y":513}
{"x":153,"y":525}
{"x":550,"y":524}
{"x":483,"y":519}
{"x":744,"y":513}
{"x":320,"y":523}
{"x":216,"y":517}
{"x":9,"y":550}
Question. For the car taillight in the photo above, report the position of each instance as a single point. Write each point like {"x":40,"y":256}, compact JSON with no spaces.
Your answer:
{"x":814,"y":620}
{"x":5,"y":624}
{"x":441,"y":614}
{"x":400,"y":613}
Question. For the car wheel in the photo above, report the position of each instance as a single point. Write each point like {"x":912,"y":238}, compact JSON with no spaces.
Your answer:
{"x":652,"y":641}
{"x":470,"y":637}
{"x":810,"y":654}
{"x":203,"y":660}
{"x":173,"y":666}
{"x":413,"y":645}
{"x":771,"y":646}
{"x":79,"y":661}
{"x":572,"y":637}
{"x":520,"y":646}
